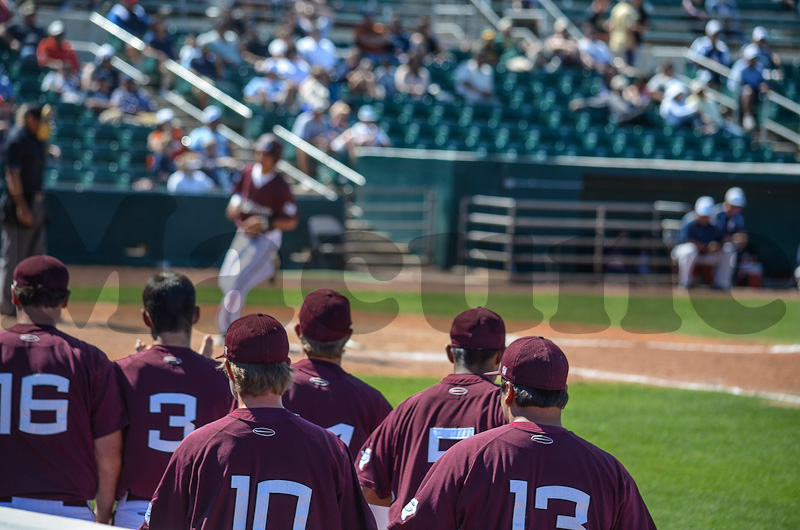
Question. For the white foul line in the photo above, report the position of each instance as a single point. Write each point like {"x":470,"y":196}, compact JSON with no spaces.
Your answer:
{"x":598,"y":375}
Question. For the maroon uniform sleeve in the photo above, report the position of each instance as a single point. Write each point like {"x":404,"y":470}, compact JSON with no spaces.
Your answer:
{"x":633,"y":512}
{"x":108,"y":411}
{"x":354,"y":508}
{"x":377,"y":456}
{"x":173,"y":512}
{"x":435,"y":503}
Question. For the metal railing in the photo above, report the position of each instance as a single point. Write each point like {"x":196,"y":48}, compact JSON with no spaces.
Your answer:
{"x":486,"y":10}
{"x":185,"y":74}
{"x":515,"y":234}
{"x":320,"y":156}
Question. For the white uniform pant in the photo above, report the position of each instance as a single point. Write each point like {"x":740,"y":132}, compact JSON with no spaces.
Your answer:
{"x":130,"y":514}
{"x":84,"y":513}
{"x":687,"y":256}
{"x":247,"y":263}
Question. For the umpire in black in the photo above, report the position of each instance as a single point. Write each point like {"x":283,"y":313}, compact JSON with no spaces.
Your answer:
{"x":23,"y":213}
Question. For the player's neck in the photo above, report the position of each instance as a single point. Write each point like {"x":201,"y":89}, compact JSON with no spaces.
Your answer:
{"x":38,"y":316}
{"x":267,"y":401}
{"x":537,"y":415}
{"x":473,"y":370}
{"x":177,"y":339}
{"x":335,"y":360}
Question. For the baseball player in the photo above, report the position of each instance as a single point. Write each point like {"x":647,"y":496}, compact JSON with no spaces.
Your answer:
{"x":169,"y":391}
{"x":260,"y":466}
{"x":396,"y":457}
{"x":61,"y":413}
{"x":323,"y":393}
{"x":262,"y":206}
{"x":531,"y":473}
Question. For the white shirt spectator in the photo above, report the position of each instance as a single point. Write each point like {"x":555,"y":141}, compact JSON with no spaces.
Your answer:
{"x":320,"y":52}
{"x":273,"y":89}
{"x":361,"y":134}
{"x":191,"y":182}
{"x":225,"y":46}
{"x":295,"y":71}
{"x":410,"y":82}
{"x":473,"y":80}
{"x":597,"y":50}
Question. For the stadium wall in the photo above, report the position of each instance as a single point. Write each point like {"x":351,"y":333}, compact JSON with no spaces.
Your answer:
{"x":773,"y":190}
{"x":151,"y":229}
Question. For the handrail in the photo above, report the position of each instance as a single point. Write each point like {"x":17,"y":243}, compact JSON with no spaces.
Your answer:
{"x":311,"y":150}
{"x":187,"y":75}
{"x":116,"y":62}
{"x":487,"y":11}
{"x":556,"y":13}
{"x":307,"y":181}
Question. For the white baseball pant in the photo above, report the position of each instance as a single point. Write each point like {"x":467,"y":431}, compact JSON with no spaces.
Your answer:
{"x":687,"y":256}
{"x":84,"y":513}
{"x":247,"y":263}
{"x":130,"y":514}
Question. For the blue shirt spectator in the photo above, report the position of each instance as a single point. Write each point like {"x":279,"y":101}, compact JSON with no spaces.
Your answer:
{"x":202,"y":136}
{"x":130,"y":16}
{"x":131,"y":99}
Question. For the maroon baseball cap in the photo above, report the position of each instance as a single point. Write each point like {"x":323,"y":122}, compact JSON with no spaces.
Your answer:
{"x":42,"y":271}
{"x":325,"y":316}
{"x":478,"y":329}
{"x":534,"y":362}
{"x":256,"y":339}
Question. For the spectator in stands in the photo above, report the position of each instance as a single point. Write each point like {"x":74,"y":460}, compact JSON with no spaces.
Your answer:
{"x":474,"y":80}
{"x":384,"y":78}
{"x":165,"y":145}
{"x":100,"y":68}
{"x":64,"y":83}
{"x":340,"y":117}
{"x":162,"y":47}
{"x":268,"y":90}
{"x":24,"y":37}
{"x":642,"y":26}
{"x":316,"y":89}
{"x":561,"y":48}
{"x":133,"y":102}
{"x":490,"y":47}
{"x":207,"y":65}
{"x":313,"y":15}
{"x":372,"y":38}
{"x":212,"y":117}
{"x":701,"y":243}
{"x":676,"y":111}
{"x":314,"y":127}
{"x":622,"y":24}
{"x":727,"y":13}
{"x":425,"y":40}
{"x":400,"y":40}
{"x":658,"y":84}
{"x":220,"y":169}
{"x":597,"y":17}
{"x":728,"y":218}
{"x":188,"y":179}
{"x":768,"y":61}
{"x":411,"y":78}
{"x":287,"y":62}
{"x":98,"y":98}
{"x":612,"y":97}
{"x":365,"y":133}
{"x":361,"y":81}
{"x":55,"y":50}
{"x":318,"y":51}
{"x":695,"y":9}
{"x":595,"y":53}
{"x":189,"y":51}
{"x":710,"y":115}
{"x":255,"y":43}
{"x":747,"y":80}
{"x":224,"y":44}
{"x":130,"y":16}
{"x":711,"y":47}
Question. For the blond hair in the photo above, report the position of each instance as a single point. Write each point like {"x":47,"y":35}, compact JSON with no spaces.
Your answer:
{"x":260,"y":379}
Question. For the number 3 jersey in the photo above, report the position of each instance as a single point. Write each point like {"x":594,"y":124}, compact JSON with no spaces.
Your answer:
{"x":260,"y":468}
{"x":57,"y":395}
{"x":326,"y":395}
{"x":525,"y":476}
{"x":168,"y":392}
{"x":396,"y":457}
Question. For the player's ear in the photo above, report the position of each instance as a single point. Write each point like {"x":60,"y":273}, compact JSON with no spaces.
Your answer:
{"x":288,"y":361}
{"x":228,"y":370}
{"x":499,"y":357}
{"x":14,"y":299}
{"x":449,"y":350}
{"x":146,"y":319}
{"x":196,"y":316}
{"x":297,"y":330}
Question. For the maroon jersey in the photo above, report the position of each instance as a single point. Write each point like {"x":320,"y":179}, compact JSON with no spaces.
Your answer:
{"x":523,"y":476}
{"x":396,"y":457}
{"x":326,"y":395}
{"x":57,"y":395}
{"x":168,"y":392}
{"x":273,"y":199}
{"x":258,"y":468}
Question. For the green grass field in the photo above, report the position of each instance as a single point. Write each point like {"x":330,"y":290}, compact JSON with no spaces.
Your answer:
{"x":701,"y":460}
{"x":709,"y":316}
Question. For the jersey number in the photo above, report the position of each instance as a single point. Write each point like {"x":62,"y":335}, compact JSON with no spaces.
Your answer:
{"x":343,"y":431}
{"x":185,"y":421}
{"x":241,"y":484}
{"x":543,"y":494}
{"x":28,"y":404}
{"x":437,"y":434}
